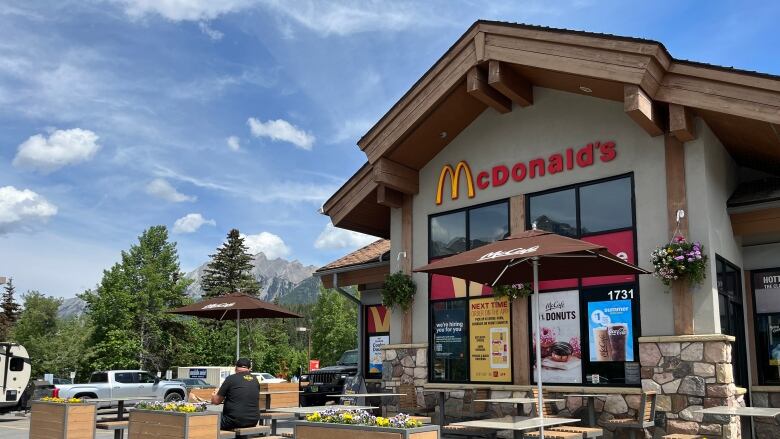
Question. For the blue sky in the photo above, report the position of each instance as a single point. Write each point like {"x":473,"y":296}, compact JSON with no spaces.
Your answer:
{"x":204,"y":115}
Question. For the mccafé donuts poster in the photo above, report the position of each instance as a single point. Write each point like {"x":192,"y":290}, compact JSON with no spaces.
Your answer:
{"x":560,"y":337}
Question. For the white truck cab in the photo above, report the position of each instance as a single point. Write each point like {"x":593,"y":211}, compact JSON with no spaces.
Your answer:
{"x":15,"y":371}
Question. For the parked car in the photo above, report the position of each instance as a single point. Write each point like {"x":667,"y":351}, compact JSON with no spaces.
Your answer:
{"x":62,"y":381}
{"x":329,"y":380}
{"x":14,"y":376}
{"x":124,"y":384}
{"x":195,"y":383}
{"x":267,"y":378}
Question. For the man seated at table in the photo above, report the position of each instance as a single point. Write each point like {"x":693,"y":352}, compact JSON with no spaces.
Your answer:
{"x":241,"y":395}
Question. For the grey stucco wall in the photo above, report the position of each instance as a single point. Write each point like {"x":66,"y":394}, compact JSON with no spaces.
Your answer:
{"x":711,"y":177}
{"x":758,"y":257}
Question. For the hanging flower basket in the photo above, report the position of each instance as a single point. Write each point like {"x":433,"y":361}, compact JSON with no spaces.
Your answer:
{"x":399,"y":289}
{"x":514,"y":291}
{"x":680,"y":260}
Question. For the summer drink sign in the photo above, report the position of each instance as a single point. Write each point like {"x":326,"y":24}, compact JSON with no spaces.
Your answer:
{"x":560,"y":337}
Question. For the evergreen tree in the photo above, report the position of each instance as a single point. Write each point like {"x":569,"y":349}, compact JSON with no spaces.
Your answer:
{"x":230,"y":269}
{"x":128,"y":308}
{"x":10,"y":312}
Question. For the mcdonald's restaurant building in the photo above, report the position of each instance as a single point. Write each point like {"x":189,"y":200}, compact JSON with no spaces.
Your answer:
{"x":602,"y":138}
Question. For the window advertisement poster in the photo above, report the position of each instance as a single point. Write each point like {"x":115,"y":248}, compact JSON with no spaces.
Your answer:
{"x":490,"y":348}
{"x":448,"y":333}
{"x":767,"y":290}
{"x":610,"y":326}
{"x":375,"y":344}
{"x":560,"y":337}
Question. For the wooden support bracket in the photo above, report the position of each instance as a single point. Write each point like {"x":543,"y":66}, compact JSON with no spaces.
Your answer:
{"x":510,"y":84}
{"x":639,"y":107}
{"x":477,"y":86}
{"x":681,"y":123}
{"x":389,"y":197}
{"x":396,"y":176}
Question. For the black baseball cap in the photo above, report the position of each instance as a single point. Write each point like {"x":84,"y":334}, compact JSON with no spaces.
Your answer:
{"x":244,"y":362}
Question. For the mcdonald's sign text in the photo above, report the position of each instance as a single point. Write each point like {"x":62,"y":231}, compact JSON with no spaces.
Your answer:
{"x":499,"y":175}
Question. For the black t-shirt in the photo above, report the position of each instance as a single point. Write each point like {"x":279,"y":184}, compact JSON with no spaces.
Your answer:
{"x":242,"y":399}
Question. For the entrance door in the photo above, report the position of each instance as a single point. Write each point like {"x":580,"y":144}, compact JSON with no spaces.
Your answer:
{"x":732,"y":317}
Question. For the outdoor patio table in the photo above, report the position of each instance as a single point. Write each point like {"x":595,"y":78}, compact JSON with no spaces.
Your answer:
{"x":517,"y":424}
{"x":753,"y":412}
{"x":369,"y":395}
{"x":591,"y":401}
{"x":120,"y":409}
{"x":517,"y":401}
{"x":441,"y":393}
{"x":301,"y":411}
{"x":268,"y":394}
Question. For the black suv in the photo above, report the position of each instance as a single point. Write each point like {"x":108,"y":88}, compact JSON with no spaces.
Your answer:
{"x":329,"y":380}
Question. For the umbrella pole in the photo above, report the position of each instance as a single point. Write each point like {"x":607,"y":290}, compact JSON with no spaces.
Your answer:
{"x":540,"y":407}
{"x":238,"y":334}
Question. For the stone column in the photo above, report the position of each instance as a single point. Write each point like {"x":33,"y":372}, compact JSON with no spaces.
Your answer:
{"x":405,"y":364}
{"x":691,"y":372}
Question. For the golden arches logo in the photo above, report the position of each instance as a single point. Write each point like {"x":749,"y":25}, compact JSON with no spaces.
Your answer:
{"x":454,"y":174}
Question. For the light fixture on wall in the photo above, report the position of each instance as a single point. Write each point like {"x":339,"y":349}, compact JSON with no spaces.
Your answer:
{"x":586,"y":89}
{"x":443,"y":134}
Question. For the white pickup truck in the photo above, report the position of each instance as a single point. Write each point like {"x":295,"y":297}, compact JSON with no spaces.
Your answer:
{"x":124,"y":384}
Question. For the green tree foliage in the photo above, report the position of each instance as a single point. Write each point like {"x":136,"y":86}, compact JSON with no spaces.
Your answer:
{"x":230,"y":269}
{"x":334,"y":328}
{"x":10,"y":312}
{"x":36,"y":325}
{"x":63,"y":350}
{"x":128,"y":308}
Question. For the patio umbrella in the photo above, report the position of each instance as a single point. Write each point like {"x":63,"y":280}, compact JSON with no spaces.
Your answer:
{"x":517,"y":259}
{"x":234,"y":307}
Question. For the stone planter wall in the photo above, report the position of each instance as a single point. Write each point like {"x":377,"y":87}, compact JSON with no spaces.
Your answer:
{"x":406,"y":364}
{"x":762,"y":396}
{"x":690,"y":373}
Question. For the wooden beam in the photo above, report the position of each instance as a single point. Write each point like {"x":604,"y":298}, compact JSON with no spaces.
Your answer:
{"x":639,"y":107}
{"x":406,"y":262}
{"x":756,"y":222}
{"x":681,"y":123}
{"x":477,"y":86}
{"x":479,"y":46}
{"x":521,"y":358}
{"x":396,"y":176}
{"x":510,"y":84}
{"x":389,"y":197}
{"x":682,"y":299}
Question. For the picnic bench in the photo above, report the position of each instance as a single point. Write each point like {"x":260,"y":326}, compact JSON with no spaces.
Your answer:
{"x":118,"y":427}
{"x":247,"y":432}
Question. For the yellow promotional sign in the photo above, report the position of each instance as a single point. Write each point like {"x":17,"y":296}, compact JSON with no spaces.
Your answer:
{"x":491,"y":344}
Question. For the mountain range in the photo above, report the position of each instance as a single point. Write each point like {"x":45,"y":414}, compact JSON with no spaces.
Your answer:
{"x":289,"y":281}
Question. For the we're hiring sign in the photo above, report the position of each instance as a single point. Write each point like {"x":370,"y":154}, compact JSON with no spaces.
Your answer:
{"x":500,"y":175}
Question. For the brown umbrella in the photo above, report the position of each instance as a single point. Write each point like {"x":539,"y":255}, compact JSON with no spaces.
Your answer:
{"x":532,"y":256}
{"x":235,"y":306}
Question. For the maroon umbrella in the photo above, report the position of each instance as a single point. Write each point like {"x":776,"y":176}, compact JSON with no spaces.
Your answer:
{"x":532,"y":256}
{"x":234,"y":307}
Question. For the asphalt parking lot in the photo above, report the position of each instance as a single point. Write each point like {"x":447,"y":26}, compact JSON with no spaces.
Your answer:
{"x":15,"y":427}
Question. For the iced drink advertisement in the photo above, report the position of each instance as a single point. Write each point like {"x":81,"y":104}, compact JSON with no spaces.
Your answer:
{"x":611,"y":331}
{"x":560,"y":337}
{"x":490,"y":350}
{"x":375,"y":344}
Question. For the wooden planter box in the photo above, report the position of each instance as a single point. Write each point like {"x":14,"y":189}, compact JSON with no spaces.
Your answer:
{"x":281,"y":400}
{"x":173,"y":425}
{"x":51,"y":420}
{"x":319,"y":430}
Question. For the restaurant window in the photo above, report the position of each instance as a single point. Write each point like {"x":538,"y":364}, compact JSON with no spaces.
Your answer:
{"x":766,"y":296}
{"x":377,"y":318}
{"x":589,"y":326}
{"x":732,"y":320}
{"x":470,"y":330}
{"x":449,"y":345}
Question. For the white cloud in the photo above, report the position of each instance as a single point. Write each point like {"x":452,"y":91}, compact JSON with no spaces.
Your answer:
{"x":21,"y":209}
{"x":328,"y":17}
{"x":281,"y":130}
{"x":191,"y":223}
{"x":209,"y":31}
{"x":160,"y":188}
{"x":61,"y":148}
{"x":184,"y":10}
{"x":234,"y":143}
{"x":272,"y":246}
{"x":333,"y":238}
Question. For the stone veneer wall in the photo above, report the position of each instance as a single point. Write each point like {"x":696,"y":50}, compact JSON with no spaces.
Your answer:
{"x":765,"y":396}
{"x":690,"y":373}
{"x":406,"y":364}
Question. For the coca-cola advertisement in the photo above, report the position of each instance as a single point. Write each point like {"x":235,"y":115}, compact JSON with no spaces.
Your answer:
{"x":611,"y":331}
{"x":560,"y":337}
